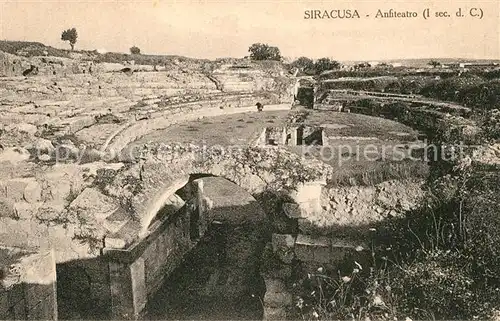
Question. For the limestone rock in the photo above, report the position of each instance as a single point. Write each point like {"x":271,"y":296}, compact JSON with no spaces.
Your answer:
{"x":283,"y":247}
{"x":25,"y":211}
{"x":23,"y":128}
{"x":41,"y":146}
{"x":276,"y":295}
{"x":313,"y":249}
{"x":271,"y":313}
{"x":489,"y":155}
{"x":14,"y":155}
{"x":44,"y":158}
{"x":92,"y":202}
{"x":32,"y":192}
{"x":7,"y":208}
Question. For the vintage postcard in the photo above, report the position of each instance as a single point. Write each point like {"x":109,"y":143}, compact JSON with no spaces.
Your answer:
{"x":249,"y":160}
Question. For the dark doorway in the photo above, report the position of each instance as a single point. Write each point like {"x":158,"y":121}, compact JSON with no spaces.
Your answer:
{"x":300,"y":135}
{"x":194,"y":223}
{"x":313,"y":136}
{"x":305,"y":95}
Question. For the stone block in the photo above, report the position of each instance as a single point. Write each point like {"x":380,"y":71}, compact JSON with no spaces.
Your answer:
{"x":95,"y":203}
{"x":101,"y":293}
{"x":4,"y":306}
{"x":44,"y":310}
{"x":277,"y":299}
{"x":19,"y":310}
{"x":113,"y":226}
{"x":282,"y":241}
{"x":32,"y":192}
{"x":316,"y":267}
{"x":322,"y":254}
{"x":274,"y":285}
{"x":313,"y":249}
{"x":115,"y":242}
{"x":16,"y":294}
{"x":338,"y":254}
{"x":306,"y":226}
{"x":36,"y":312}
{"x":283,"y":247}
{"x":139,"y":289}
{"x":7,"y":208}
{"x":121,"y":291}
{"x":25,"y":211}
{"x":293,"y":210}
{"x":36,"y":293}
{"x":14,"y":189}
{"x":282,"y":272}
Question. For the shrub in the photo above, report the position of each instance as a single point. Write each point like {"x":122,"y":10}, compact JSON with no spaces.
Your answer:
{"x":438,"y":287}
{"x":135,"y":50}
{"x":259,"y":51}
{"x":304,"y":64}
{"x":491,"y":125}
{"x":451,"y":88}
{"x":482,"y":96}
{"x":324,"y":64}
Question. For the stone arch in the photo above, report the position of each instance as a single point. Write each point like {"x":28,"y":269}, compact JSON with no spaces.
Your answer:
{"x":154,"y":197}
{"x":158,"y":176}
{"x":231,"y":269}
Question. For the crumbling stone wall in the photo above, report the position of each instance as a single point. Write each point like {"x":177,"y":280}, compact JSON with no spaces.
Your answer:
{"x":136,"y":273}
{"x":28,"y":285}
{"x":83,"y":289}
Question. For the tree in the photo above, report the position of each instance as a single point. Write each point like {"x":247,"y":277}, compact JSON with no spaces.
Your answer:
{"x":324,"y":64}
{"x":135,"y":50}
{"x":304,"y":64}
{"x":70,"y":35}
{"x":434,"y":63}
{"x":259,"y":51}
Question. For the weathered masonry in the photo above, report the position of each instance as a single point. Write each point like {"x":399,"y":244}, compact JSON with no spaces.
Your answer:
{"x":292,"y":136}
{"x":28,"y":287}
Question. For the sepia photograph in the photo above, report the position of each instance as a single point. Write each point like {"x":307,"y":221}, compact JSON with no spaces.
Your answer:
{"x":250,"y":160}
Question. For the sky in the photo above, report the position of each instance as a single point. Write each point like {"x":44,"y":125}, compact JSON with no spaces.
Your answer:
{"x":225,"y":28}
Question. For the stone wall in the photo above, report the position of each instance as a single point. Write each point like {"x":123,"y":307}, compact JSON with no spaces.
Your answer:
{"x":137,"y":272}
{"x":291,"y":257}
{"x":28,"y":285}
{"x":83,"y":289}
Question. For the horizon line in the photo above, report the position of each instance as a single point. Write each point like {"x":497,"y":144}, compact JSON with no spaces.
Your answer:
{"x":284,"y":56}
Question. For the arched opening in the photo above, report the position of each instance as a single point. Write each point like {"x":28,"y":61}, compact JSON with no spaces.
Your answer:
{"x":220,"y":277}
{"x":187,"y":194}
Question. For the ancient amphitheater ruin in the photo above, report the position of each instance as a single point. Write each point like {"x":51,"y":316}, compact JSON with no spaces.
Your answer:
{"x":111,"y":178}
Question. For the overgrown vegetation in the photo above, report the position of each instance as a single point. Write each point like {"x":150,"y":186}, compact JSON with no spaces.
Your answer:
{"x":438,"y":262}
{"x":441,"y":260}
{"x":309,"y":67}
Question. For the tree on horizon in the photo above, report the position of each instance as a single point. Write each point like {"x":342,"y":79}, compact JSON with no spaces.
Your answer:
{"x":324,"y":64}
{"x":135,"y":50}
{"x":304,"y":64}
{"x":70,"y":35}
{"x":434,"y":63}
{"x":259,"y":51}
